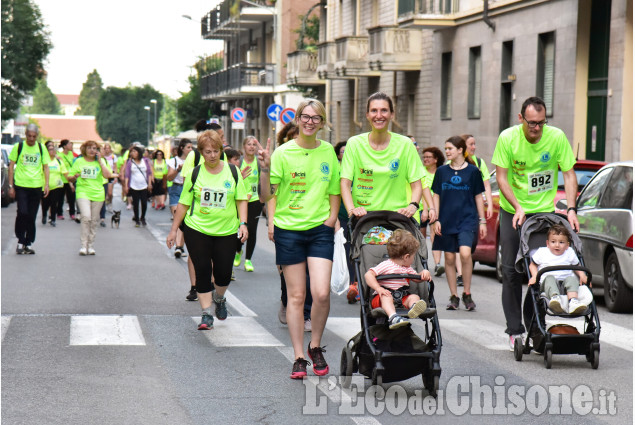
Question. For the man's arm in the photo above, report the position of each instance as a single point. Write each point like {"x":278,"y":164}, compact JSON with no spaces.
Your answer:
{"x":508,"y":193}
{"x":10,"y":176}
{"x":571,"y":193}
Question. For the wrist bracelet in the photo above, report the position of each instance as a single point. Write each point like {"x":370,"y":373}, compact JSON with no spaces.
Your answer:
{"x":431,"y":209}
{"x":575,"y":210}
{"x":482,"y":220}
{"x":264,"y":170}
{"x":242,"y":222}
{"x":416,"y":204}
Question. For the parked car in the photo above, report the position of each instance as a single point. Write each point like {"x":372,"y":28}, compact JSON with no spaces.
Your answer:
{"x":605,"y":212}
{"x":488,"y":250}
{"x":5,"y":200}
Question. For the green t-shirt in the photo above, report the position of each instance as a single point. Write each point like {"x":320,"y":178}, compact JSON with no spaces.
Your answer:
{"x":188,"y":164}
{"x":483,"y":168}
{"x":214,"y":196}
{"x":28,"y":168}
{"x":67,"y":160}
{"x":381,"y":179}
{"x":160,"y":169}
{"x":532,"y":169}
{"x":90,"y":184}
{"x":251,"y":182}
{"x":306,"y":178}
{"x":57,"y":169}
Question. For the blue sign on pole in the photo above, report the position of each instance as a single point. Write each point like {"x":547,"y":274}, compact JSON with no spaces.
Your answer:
{"x":287,"y":115}
{"x":273,"y":112}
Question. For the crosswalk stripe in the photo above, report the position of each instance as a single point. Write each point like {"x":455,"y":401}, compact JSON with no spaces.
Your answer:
{"x":344,"y":327}
{"x":239,"y":332}
{"x":482,"y":332}
{"x":239,"y":306}
{"x":6,"y":320}
{"x":106,"y":330}
{"x":610,"y":333}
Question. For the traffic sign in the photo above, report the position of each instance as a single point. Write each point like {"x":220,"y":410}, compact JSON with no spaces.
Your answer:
{"x":287,"y":115}
{"x":238,"y":115}
{"x":273,"y":112}
{"x":238,"y":126}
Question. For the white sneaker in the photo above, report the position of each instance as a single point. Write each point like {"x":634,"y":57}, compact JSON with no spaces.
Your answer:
{"x":91,"y":251}
{"x":83,"y":251}
{"x":512,"y":340}
{"x":576,"y":307}
{"x":282,"y":314}
{"x":555,"y":305}
{"x":307,"y":325}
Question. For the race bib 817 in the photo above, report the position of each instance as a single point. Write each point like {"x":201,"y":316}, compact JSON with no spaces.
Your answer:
{"x":212,"y":198}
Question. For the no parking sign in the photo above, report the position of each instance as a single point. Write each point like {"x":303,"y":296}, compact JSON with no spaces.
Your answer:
{"x":287,"y":115}
{"x":238,"y":115}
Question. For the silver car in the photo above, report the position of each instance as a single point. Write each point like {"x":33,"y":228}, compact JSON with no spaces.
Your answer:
{"x":605,"y":212}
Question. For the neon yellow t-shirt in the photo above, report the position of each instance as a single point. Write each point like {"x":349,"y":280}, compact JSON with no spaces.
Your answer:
{"x":57,"y":169}
{"x":28,"y":168}
{"x":67,"y":159}
{"x":381,"y":179}
{"x":90,"y":184}
{"x":306,"y":178}
{"x":483,"y":168}
{"x":160,"y":169}
{"x":532,"y":168}
{"x":214,"y":197}
{"x":251,"y":182}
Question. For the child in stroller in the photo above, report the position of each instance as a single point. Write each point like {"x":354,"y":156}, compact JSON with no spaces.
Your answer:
{"x":402,"y":247}
{"x":558,"y":252}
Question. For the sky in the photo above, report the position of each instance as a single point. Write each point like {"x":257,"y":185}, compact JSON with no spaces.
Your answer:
{"x":126,"y":41}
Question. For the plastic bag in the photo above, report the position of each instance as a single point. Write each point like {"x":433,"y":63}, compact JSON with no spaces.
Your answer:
{"x":339,"y":274}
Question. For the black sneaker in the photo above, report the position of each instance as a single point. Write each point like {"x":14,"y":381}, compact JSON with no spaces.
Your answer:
{"x":137,"y":223}
{"x":467,"y":301}
{"x":52,"y":223}
{"x":43,"y":219}
{"x":320,"y":368}
{"x":299,"y":368}
{"x":143,"y":222}
{"x":221,"y":307}
{"x":20,"y":249}
{"x":439,"y":270}
{"x":459,"y":280}
{"x":454,"y":303}
{"x":178,"y":251}
{"x":28,"y":250}
{"x":207,"y":322}
{"x":192,"y":296}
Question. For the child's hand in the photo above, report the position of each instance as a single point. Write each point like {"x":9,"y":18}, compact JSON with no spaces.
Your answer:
{"x":383,"y":292}
{"x":583,"y":279}
{"x":425,"y":275}
{"x":532,"y":280}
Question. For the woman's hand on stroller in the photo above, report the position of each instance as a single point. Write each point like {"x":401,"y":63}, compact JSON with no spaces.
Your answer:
{"x":519,"y":218}
{"x":532,"y":280}
{"x":357,"y":212}
{"x":437,"y":227}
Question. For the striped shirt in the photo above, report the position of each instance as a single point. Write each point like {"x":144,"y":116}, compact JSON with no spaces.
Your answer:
{"x":390,"y":267}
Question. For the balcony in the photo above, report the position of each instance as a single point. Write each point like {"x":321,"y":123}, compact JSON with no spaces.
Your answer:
{"x":232,"y":16}
{"x":240,"y":80}
{"x":302,"y":68}
{"x":326,"y":60}
{"x":395,"y":49}
{"x":351,"y":57}
{"x":427,"y":14}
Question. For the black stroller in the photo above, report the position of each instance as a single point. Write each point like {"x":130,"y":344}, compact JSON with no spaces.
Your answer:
{"x":379,"y":353}
{"x":533,"y":235}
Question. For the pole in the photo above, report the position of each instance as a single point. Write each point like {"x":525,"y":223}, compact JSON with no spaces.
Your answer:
{"x":147,"y":108}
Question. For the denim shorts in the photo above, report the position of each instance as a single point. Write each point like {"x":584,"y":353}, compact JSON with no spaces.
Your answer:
{"x":175,"y":193}
{"x":295,"y":246}
{"x":451,"y":243}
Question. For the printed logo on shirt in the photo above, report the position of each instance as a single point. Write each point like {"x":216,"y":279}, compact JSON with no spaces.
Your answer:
{"x":456,"y":179}
{"x":362,"y":187}
{"x":394,"y":164}
{"x":298,"y":174}
{"x":324,"y":168}
{"x":227,"y":184}
{"x":366,"y":171}
{"x":545,"y":157}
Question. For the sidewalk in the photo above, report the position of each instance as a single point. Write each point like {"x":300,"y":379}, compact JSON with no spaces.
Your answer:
{"x":131,"y":273}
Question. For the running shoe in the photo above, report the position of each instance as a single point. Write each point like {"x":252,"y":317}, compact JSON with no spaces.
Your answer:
{"x":439,"y":270}
{"x":52,"y":223}
{"x":248,"y":266}
{"x":91,"y":251}
{"x":20,"y":249}
{"x":102,"y":223}
{"x":453,"y":304}
{"x":576,"y":307}
{"x":353,"y":293}
{"x":233,"y":276}
{"x":512,"y":340}
{"x":143,"y":222}
{"x":556,"y":306}
{"x":83,"y":251}
{"x":221,"y":306}
{"x":76,"y":218}
{"x":192,"y":296}
{"x":417,"y":309}
{"x":28,"y":250}
{"x":307,"y":325}
{"x":459,"y":280}
{"x":207,"y":322}
{"x":320,"y":368}
{"x":237,"y":258}
{"x":282,"y":314}
{"x":178,"y":252}
{"x":397,"y":322}
{"x":137,"y":223}
{"x":60,"y":217}
{"x":299,"y":368}
{"x":467,"y":301}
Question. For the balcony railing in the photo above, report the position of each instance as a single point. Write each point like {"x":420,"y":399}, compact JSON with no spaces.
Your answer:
{"x":302,"y":68}
{"x":326,"y":60}
{"x":429,"y":14}
{"x":352,"y":57}
{"x":395,"y":49}
{"x":239,"y":80}
{"x":222,"y":21}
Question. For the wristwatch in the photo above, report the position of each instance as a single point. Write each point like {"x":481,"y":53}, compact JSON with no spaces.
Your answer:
{"x":575,"y":210}
{"x":243,"y":222}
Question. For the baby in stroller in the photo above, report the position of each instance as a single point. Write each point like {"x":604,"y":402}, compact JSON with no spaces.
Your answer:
{"x":558,"y":252}
{"x":402,"y":247}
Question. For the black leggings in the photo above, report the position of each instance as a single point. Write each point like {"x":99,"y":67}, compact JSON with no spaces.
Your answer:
{"x":70,"y":199}
{"x":253,"y":212}
{"x":205,"y":250}
{"x":51,"y":202}
{"x":139,"y":195}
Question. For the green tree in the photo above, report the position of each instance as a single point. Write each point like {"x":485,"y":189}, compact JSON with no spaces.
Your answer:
{"x":120,"y":115}
{"x":308,"y":39}
{"x":44,"y":101}
{"x":25,"y":45}
{"x":89,"y":96}
{"x":168,"y":121}
{"x":191,"y":107}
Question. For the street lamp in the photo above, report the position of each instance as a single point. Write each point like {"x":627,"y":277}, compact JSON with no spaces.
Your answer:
{"x":155,"y":115}
{"x":147,"y":108}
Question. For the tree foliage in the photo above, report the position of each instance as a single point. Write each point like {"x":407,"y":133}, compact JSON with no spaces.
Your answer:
{"x":311,"y":37}
{"x":121,"y":116}
{"x":168,"y":121}
{"x":44,"y":101}
{"x":25,"y":45}
{"x":89,"y":96}
{"x":191,"y":107}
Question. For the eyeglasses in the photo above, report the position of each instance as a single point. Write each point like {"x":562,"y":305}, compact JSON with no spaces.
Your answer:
{"x":428,"y":157}
{"x":315,"y":119}
{"x":533,"y":124}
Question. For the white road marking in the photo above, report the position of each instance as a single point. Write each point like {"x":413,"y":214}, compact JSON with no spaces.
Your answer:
{"x":482,"y":332}
{"x":238,"y":305}
{"x":5,"y":325}
{"x":615,"y":335}
{"x":239,"y":332}
{"x":344,"y":327}
{"x":106,"y":330}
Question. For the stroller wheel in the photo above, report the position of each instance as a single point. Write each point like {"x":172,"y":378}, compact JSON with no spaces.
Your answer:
{"x":377,"y":379}
{"x":431,"y":383}
{"x":548,"y":358}
{"x":594,"y":358}
{"x":518,"y":349}
{"x":346,"y":367}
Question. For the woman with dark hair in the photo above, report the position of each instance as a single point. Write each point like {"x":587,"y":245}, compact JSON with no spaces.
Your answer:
{"x":137,"y":182}
{"x":458,"y":189}
{"x":432,"y":159}
{"x":160,"y":169}
{"x":67,"y":157}
{"x":57,"y":171}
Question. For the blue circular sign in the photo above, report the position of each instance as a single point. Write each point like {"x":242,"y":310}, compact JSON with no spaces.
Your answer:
{"x":238,"y":115}
{"x":273,"y":112}
{"x":287,"y":115}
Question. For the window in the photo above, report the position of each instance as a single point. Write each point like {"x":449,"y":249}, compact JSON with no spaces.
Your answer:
{"x":446,"y":85}
{"x":474,"y":84}
{"x":592,"y":192}
{"x":619,"y":192}
{"x":546,"y":69}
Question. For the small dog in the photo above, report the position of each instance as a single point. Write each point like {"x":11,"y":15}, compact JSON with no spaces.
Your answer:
{"x":116,"y":217}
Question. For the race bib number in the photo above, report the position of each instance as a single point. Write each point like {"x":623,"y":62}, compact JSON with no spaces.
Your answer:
{"x":254,"y":189}
{"x":212,"y":198}
{"x":30,"y":159}
{"x":540,"y":182}
{"x":89,"y":172}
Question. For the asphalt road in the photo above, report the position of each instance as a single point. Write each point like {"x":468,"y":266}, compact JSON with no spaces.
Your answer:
{"x":110,"y":339}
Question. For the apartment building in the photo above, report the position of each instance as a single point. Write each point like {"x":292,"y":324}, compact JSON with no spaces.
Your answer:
{"x":465,"y":66}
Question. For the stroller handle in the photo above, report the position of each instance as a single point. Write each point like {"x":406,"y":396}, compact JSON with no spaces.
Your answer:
{"x":557,"y":268}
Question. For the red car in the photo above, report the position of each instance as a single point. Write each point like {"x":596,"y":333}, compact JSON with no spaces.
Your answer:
{"x":488,"y":250}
